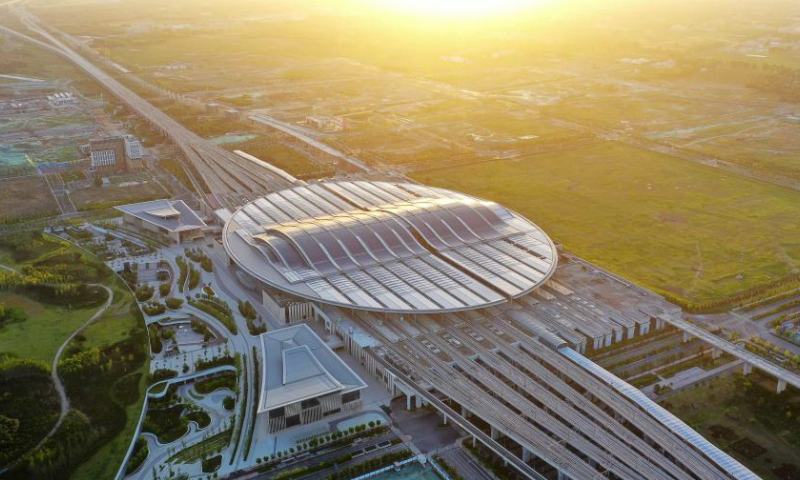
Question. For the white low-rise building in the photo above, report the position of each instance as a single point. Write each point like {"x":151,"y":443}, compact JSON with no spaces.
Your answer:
{"x":167,"y":221}
{"x":303,"y":380}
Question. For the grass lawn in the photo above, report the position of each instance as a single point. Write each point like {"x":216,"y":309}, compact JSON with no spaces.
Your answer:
{"x":729,"y":415}
{"x":6,"y":259}
{"x":116,"y":323}
{"x":49,"y":325}
{"x":665,"y":223}
{"x":43,"y":332}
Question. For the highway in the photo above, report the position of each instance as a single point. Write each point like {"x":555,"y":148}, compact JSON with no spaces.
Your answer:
{"x":740,"y":352}
{"x":228,"y":179}
{"x":300,"y":135}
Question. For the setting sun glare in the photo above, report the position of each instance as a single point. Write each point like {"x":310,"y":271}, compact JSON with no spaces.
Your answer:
{"x":458,"y":8}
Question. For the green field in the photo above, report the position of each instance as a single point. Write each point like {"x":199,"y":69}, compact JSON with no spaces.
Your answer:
{"x":668,"y":224}
{"x":45,"y":330}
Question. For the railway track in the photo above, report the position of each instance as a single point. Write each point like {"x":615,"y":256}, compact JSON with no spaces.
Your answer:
{"x":229,"y":178}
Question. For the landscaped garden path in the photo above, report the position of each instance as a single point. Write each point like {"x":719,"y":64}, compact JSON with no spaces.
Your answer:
{"x":54,"y":372}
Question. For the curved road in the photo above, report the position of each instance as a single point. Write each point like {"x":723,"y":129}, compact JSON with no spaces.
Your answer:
{"x":57,"y":381}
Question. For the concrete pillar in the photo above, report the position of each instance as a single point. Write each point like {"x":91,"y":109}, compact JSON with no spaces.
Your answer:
{"x":659,"y":323}
{"x":631,"y":332}
{"x":598,"y":343}
{"x":618,"y":337}
{"x":781,"y":385}
{"x":716,"y":352}
{"x":495,"y":433}
{"x":747,"y":369}
{"x":444,"y":419}
{"x":418,"y":399}
{"x":465,"y":412}
{"x":686,"y":337}
{"x":644,"y":329}
{"x":474,"y":441}
{"x":526,"y":455}
{"x":608,"y":340}
{"x":408,"y":402}
{"x":562,"y":476}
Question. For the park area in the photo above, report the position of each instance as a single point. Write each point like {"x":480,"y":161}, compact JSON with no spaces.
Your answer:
{"x":695,"y":232}
{"x":746,"y":418}
{"x":103,"y":368}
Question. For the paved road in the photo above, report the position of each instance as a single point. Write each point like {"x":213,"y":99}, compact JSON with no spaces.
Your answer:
{"x":57,"y":380}
{"x":333,"y":454}
{"x":688,"y":380}
{"x":458,"y":458}
{"x":305,"y":138}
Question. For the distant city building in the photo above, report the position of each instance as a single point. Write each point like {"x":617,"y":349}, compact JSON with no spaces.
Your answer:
{"x":107,"y":154}
{"x":61,"y":99}
{"x":116,"y":153}
{"x":134,"y":154}
{"x":302,"y":380}
{"x":231,"y":114}
{"x":167,"y":221}
{"x":132,"y":147}
{"x":327,"y":124}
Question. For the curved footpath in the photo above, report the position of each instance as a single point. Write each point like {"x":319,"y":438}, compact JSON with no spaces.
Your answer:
{"x":57,"y":381}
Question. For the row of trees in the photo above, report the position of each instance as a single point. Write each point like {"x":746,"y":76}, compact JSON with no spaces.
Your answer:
{"x":200,"y":257}
{"x":746,"y":297}
{"x":249,"y":313}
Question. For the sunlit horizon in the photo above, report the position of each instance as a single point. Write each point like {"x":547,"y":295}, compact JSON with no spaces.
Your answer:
{"x":459,"y":8}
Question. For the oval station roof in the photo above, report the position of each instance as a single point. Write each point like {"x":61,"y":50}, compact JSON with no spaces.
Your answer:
{"x":389,"y":247}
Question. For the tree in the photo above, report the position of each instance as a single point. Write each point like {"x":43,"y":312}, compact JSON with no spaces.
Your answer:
{"x":8,"y":429}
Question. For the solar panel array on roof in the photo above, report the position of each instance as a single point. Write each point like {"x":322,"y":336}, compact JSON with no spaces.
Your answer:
{"x":389,"y":247}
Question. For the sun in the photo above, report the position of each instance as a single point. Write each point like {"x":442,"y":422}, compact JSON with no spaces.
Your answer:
{"x":458,"y":8}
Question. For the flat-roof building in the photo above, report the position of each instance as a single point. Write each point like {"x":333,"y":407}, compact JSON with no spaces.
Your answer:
{"x":167,"y":221}
{"x":302,"y":379}
{"x":120,"y":152}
